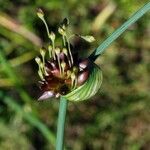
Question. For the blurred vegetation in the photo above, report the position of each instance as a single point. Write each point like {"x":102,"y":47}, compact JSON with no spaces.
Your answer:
{"x":116,"y":118}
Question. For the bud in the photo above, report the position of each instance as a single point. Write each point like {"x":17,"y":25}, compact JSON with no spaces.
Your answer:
{"x":43,"y":51}
{"x":88,"y":38}
{"x":49,"y":47}
{"x":41,"y":67}
{"x":40,"y":13}
{"x":50,"y":50}
{"x":57,"y":51}
{"x":38,"y":60}
{"x":61,"y":31}
{"x":63,"y":64}
{"x":52,"y":36}
{"x":64,"y":50}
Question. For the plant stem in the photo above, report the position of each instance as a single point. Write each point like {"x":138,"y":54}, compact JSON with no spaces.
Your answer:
{"x":61,"y":124}
{"x":98,"y":51}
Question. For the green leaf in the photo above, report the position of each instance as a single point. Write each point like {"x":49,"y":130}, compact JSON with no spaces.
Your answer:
{"x":98,"y":51}
{"x":89,"y":88}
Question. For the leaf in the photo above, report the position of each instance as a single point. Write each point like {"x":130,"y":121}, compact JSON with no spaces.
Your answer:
{"x":89,"y":88}
{"x":102,"y":47}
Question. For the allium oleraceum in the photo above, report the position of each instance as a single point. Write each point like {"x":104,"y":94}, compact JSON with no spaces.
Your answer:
{"x":64,"y":74}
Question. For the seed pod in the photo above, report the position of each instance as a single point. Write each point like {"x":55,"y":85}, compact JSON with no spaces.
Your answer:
{"x":89,"y":88}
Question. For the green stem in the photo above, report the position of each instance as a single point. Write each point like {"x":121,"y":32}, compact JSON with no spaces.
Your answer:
{"x":61,"y":124}
{"x":119,"y":31}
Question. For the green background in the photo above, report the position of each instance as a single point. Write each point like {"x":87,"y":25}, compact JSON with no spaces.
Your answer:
{"x":117,"y":118}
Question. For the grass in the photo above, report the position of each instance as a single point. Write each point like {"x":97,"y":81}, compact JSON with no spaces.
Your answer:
{"x":30,"y":118}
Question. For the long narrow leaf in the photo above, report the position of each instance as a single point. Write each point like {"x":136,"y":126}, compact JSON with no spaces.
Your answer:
{"x":98,"y":51}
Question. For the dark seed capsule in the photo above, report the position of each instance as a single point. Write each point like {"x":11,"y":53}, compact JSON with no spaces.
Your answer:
{"x":82,"y":77}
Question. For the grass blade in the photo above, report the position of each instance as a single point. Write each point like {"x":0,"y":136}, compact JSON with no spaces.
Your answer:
{"x":119,"y":31}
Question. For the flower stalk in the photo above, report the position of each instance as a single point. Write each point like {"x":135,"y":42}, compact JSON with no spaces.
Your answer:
{"x":61,"y":124}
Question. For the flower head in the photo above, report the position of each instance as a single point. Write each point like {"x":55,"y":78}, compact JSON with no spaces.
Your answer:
{"x":63,"y":71}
